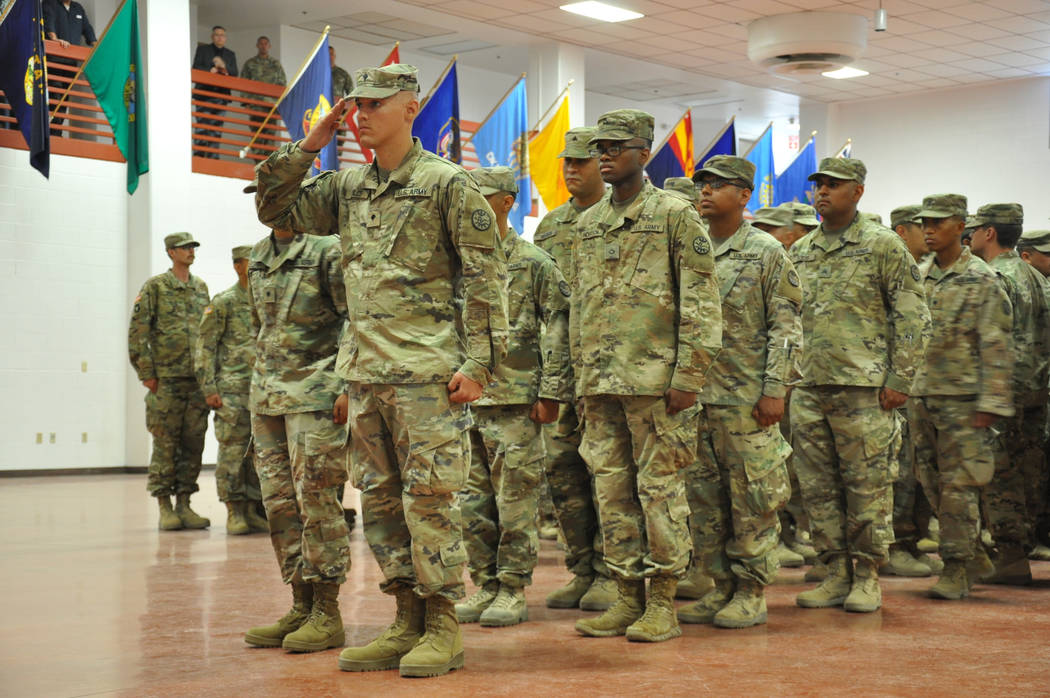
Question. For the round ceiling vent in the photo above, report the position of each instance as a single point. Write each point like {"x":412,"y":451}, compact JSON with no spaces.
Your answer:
{"x":803,"y":43}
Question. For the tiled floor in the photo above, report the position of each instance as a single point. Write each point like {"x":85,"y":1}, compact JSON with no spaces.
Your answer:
{"x":96,"y":601}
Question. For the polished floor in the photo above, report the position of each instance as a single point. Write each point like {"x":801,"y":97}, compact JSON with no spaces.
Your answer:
{"x":95,"y":601}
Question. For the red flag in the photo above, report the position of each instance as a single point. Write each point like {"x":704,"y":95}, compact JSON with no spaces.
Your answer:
{"x":351,"y":124}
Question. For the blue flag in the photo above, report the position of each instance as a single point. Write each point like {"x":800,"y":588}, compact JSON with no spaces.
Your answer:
{"x":22,"y":77}
{"x":305,"y":102}
{"x":437,"y":124}
{"x":723,"y":144}
{"x":504,"y":140}
{"x":762,"y":156}
{"x":793,"y":183}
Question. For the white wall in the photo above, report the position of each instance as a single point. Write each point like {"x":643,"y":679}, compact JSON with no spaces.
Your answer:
{"x":987,"y":141}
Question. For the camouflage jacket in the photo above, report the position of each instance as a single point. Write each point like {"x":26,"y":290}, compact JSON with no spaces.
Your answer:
{"x":225,"y":348}
{"x":554,"y":235}
{"x":537,"y":364}
{"x":864,"y":317}
{"x":761,"y":320}
{"x":342,"y":83}
{"x":1031,"y":327}
{"x":645,"y":312}
{"x":428,"y":293}
{"x":164,"y":326}
{"x":267,"y":69}
{"x":299,"y":312}
{"x":969,"y":351}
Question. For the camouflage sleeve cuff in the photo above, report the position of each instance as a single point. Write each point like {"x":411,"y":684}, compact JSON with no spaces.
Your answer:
{"x":301,"y":155}
{"x":146,"y":373}
{"x":475,"y":372}
{"x":210,"y":389}
{"x":685,"y":382}
{"x":777,"y":390}
{"x":895,"y":382}
{"x":994,"y":404}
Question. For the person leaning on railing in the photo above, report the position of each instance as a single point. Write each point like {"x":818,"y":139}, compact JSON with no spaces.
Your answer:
{"x":215,"y":58}
{"x":65,"y":22}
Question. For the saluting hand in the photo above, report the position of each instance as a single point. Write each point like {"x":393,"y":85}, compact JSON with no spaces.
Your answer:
{"x":321,"y":134}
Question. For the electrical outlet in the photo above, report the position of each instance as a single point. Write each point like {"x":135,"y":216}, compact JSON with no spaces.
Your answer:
{"x":40,"y":437}
{"x":52,"y":438}
{"x":83,"y":437}
{"x":83,"y":366}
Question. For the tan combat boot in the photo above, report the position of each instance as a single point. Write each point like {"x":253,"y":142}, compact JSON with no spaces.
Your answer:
{"x":236,"y":525}
{"x":628,"y":607}
{"x":601,"y":596}
{"x":324,"y":628}
{"x":440,"y":650}
{"x":1011,"y":567}
{"x":569,"y":595}
{"x":953,"y":583}
{"x":659,"y":621}
{"x":188,"y":517}
{"x":1040,"y":553}
{"x":981,"y":566}
{"x":169,"y":520}
{"x":704,"y":610}
{"x":273,"y":635}
{"x":694,"y":585}
{"x":508,"y":608}
{"x":747,"y":608}
{"x":835,"y":587}
{"x":817,"y":573}
{"x":901,"y":563}
{"x":865,"y":595}
{"x":256,"y":523}
{"x":470,"y":610}
{"x":788,"y":557}
{"x":386,"y":651}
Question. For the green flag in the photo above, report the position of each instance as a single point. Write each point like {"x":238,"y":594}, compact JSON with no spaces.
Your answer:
{"x":114,"y":71}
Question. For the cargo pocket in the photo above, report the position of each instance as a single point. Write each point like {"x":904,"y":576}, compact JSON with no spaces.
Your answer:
{"x":454,"y":554}
{"x":679,"y":431}
{"x":325,"y":454}
{"x":437,"y":460}
{"x":769,"y":492}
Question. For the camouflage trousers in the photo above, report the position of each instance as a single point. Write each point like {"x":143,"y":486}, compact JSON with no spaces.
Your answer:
{"x":735,"y":487}
{"x":572,"y":494}
{"x":409,"y":456}
{"x":953,"y":461}
{"x":177,"y":418}
{"x":301,"y":461}
{"x":636,"y":452}
{"x":235,"y":476}
{"x":500,"y":500}
{"x":793,"y":515}
{"x":1015,"y":498}
{"x":911,"y":510}
{"x":842,"y":440}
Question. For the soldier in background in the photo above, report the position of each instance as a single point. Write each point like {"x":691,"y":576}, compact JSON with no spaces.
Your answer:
{"x":342,"y":83}
{"x":645,"y":325}
{"x":299,"y":414}
{"x":775,"y":220}
{"x":684,"y":187}
{"x":223,"y":358}
{"x":591,"y":587}
{"x":161,"y":338}
{"x":264,"y":68}
{"x":962,"y":387}
{"x":506,"y":467}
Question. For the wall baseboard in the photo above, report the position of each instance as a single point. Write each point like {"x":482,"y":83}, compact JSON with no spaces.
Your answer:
{"x":113,"y":470}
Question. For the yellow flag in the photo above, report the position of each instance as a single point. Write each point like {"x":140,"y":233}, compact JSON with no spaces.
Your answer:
{"x":544,"y":165}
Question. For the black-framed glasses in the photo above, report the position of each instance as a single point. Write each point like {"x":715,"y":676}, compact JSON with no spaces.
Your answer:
{"x":716,"y":184}
{"x":612,"y":150}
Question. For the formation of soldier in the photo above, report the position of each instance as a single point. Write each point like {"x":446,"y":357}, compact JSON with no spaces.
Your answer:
{"x":708,"y":397}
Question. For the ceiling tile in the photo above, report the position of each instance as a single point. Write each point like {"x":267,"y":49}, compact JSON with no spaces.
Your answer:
{"x":532,"y":23}
{"x":978,"y":11}
{"x":906,"y":75}
{"x":903,"y":60}
{"x":943,"y":71}
{"x":807,"y":4}
{"x":898,"y":26}
{"x":937,"y":4}
{"x":1041,"y":17}
{"x":937,"y":20}
{"x":473,"y":10}
{"x":621,"y":30}
{"x":937,"y":37}
{"x":669,"y":43}
{"x":1016,"y":60}
{"x":684,"y":18}
{"x":1041,"y":69}
{"x":937,"y":82}
{"x":1023,"y":7}
{"x":706,"y":38}
{"x":1019,"y":25}
{"x":978,"y":65}
{"x":1009,"y":73}
{"x":978,"y":32}
{"x":762,"y":7}
{"x":686,"y":4}
{"x":940,"y":55}
{"x":1016,"y":43}
{"x":563,"y":17}
{"x":728,"y":13}
{"x":1043,"y":53}
{"x":656,"y":25}
{"x":977,"y":49}
{"x":972,"y":77}
{"x":1043,"y":36}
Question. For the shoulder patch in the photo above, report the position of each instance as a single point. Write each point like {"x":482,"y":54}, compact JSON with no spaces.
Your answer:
{"x":792,"y":277}
{"x":563,"y":286}
{"x":481,"y":219}
{"x":701,"y":245}
{"x":915,"y":272}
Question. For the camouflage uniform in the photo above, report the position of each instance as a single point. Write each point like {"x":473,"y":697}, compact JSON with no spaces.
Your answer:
{"x":342,"y":83}
{"x":682,"y":186}
{"x":225,"y":352}
{"x":865,"y":326}
{"x":299,"y":312}
{"x":160,"y":343}
{"x":264,"y":69}
{"x":428,"y":300}
{"x":572,"y":491}
{"x":499,"y":501}
{"x":645,"y":317}
{"x":740,"y":479}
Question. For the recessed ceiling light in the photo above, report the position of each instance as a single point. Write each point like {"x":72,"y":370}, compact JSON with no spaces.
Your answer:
{"x":601,"y":11}
{"x":845,"y":72}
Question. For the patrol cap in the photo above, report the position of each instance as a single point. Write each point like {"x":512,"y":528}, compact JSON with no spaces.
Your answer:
{"x":180,"y":240}
{"x":623,"y":125}
{"x":242,"y":252}
{"x":905,"y":214}
{"x":971,"y":225}
{"x":728,"y":167}
{"x":252,"y":188}
{"x":779,"y":216}
{"x":683,"y":186}
{"x":943,"y":206}
{"x":804,"y":214}
{"x":386,"y":81}
{"x":576,"y":142}
{"x":873,"y":217}
{"x":493,"y":180}
{"x":1038,"y":240}
{"x":1003,"y":214}
{"x":841,"y":168}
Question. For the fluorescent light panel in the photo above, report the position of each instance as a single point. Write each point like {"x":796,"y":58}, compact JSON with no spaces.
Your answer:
{"x":601,"y":11}
{"x":845,"y":72}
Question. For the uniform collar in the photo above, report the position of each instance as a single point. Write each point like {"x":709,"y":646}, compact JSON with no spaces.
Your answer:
{"x":832,"y":242}
{"x":737,"y":241}
{"x":633,"y":211}
{"x":294,"y":249}
{"x":959,"y":266}
{"x":172,"y":279}
{"x":401,"y":175}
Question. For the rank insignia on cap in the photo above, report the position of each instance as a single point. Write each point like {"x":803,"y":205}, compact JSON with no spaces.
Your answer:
{"x":701,"y":245}
{"x":481,"y":219}
{"x":792,"y":277}
{"x":563,"y":286}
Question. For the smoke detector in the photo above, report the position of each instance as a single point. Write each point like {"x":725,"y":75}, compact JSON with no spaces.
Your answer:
{"x":806,"y":43}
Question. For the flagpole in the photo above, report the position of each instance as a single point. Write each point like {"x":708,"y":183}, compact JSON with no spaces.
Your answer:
{"x":721,"y":133}
{"x":845,"y":145}
{"x":438,"y":81}
{"x":540,"y":120}
{"x":758,"y":139}
{"x":302,"y":69}
{"x":80,"y":70}
{"x":493,"y":111}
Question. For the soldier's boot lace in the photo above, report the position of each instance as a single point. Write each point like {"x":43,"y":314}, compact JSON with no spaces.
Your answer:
{"x":440,"y":650}
{"x":169,"y":520}
{"x":626,"y":609}
{"x":272,"y":635}
{"x":704,"y":610}
{"x":865,"y":595}
{"x":747,"y":607}
{"x":835,"y":587}
{"x":470,"y":610}
{"x":324,"y":628}
{"x":695,"y":584}
{"x":659,"y":621}
{"x":569,"y":595}
{"x":953,"y":583}
{"x":385,"y":652}
{"x":189,"y":518}
{"x":236,"y":525}
{"x":601,"y":595}
{"x":509,"y":608}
